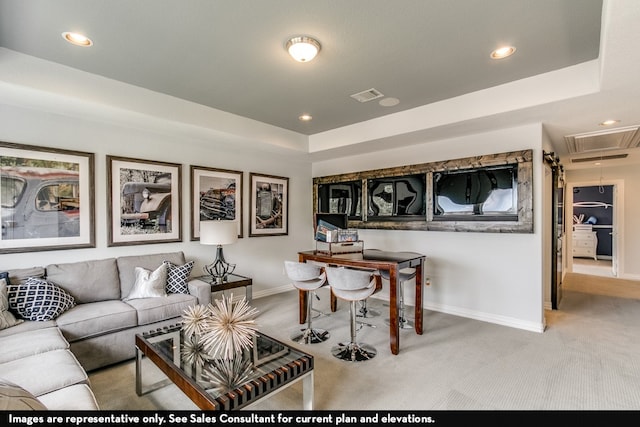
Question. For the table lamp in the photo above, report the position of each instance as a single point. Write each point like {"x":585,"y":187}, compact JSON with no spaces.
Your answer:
{"x":219,"y":232}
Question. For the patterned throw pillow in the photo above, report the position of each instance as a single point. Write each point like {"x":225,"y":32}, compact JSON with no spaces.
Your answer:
{"x":39,"y":299}
{"x":7,"y":319}
{"x":149,"y":284}
{"x":178,"y":277}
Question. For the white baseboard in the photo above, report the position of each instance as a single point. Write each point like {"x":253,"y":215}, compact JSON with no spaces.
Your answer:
{"x":456,"y":311}
{"x":272,"y":291}
{"x":486,"y":317}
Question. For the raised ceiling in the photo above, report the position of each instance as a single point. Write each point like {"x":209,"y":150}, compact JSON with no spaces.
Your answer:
{"x":229,"y":54}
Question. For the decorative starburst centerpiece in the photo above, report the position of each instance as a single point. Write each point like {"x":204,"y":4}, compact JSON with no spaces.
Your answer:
{"x":223,"y":330}
{"x":227,"y":374}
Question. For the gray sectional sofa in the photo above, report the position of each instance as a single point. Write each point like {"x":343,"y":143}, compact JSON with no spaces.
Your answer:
{"x":50,"y":358}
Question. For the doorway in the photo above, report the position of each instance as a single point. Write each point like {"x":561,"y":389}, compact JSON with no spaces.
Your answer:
{"x":593,"y":208}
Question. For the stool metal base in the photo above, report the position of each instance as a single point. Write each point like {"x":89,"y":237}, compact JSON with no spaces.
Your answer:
{"x":364,"y":311}
{"x":353,"y":352}
{"x":310,"y":336}
{"x":403,"y":323}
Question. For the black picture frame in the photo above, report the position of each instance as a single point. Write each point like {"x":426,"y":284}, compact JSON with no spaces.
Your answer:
{"x":216,"y":195}
{"x":48,"y":198}
{"x":144,"y":201}
{"x":269,"y":208}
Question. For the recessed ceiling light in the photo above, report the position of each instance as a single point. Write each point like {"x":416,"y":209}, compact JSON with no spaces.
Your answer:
{"x":389,"y":102}
{"x":503,"y":52}
{"x":303,"y":48}
{"x":305,"y":117}
{"x":77,"y":39}
{"x":609,"y":122}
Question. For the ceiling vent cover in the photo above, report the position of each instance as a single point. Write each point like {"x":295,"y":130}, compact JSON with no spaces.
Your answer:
{"x":367,"y":95}
{"x":598,"y":158}
{"x":614,"y":139}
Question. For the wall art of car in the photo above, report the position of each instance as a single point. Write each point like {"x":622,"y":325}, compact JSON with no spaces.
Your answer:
{"x":147,"y":204}
{"x":218,"y":203}
{"x":39,"y":203}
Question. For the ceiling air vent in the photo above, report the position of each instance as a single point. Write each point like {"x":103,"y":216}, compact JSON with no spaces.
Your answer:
{"x":367,"y":95}
{"x":598,"y":158}
{"x":620,"y":138}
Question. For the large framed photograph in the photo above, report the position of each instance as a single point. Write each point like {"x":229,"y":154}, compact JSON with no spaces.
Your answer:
{"x":48,"y":200}
{"x":144,"y":201}
{"x":216,"y":194}
{"x":269,"y":205}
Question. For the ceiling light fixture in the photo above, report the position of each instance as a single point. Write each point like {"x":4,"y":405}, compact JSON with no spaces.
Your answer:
{"x":303,"y":48}
{"x":609,"y":122}
{"x":503,"y":52}
{"x":77,"y":39}
{"x":389,"y":102}
{"x":305,"y":117}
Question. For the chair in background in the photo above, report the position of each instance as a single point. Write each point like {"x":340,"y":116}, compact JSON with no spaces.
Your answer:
{"x":353,"y":286}
{"x":404,"y":276}
{"x":307,"y":277}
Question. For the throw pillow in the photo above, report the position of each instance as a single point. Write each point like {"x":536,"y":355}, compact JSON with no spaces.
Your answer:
{"x":39,"y":300}
{"x":178,"y":277}
{"x":149,"y":284}
{"x":15,"y":398}
{"x":7,"y":319}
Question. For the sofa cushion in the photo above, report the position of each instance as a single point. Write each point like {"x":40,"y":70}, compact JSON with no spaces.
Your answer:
{"x":7,"y":319}
{"x":96,"y":318}
{"x":152,"y":310}
{"x":149,"y":284}
{"x":27,"y":325}
{"x":39,"y":299}
{"x":87,"y":281}
{"x":31,"y":342}
{"x":45,"y":372}
{"x":77,"y":397}
{"x":19,"y":275}
{"x":15,"y":398}
{"x":127,"y":265}
{"x":178,"y":277}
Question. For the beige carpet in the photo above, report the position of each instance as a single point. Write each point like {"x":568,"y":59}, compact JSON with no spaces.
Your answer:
{"x":588,"y":358}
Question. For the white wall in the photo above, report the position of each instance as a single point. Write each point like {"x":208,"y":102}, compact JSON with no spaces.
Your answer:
{"x":488,"y":276}
{"x":627,"y":179}
{"x":258,"y":257}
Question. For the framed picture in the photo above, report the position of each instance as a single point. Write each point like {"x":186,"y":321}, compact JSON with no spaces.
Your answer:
{"x":216,"y":194}
{"x":144,"y":201}
{"x":269,"y":205}
{"x":48,"y":200}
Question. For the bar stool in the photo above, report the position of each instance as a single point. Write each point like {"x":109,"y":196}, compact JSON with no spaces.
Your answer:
{"x":403,"y":276}
{"x":353,"y":286}
{"x":307,"y":277}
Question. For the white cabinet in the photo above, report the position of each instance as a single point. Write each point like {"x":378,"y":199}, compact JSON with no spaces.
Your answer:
{"x":585,"y":242}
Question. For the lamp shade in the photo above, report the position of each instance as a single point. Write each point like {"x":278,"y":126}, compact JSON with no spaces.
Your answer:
{"x":218,"y":232}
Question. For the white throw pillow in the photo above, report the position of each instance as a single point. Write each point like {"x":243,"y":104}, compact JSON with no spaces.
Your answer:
{"x":149,"y":284}
{"x":7,"y":319}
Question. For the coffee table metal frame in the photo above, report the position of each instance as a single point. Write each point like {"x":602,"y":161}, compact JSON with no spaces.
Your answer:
{"x":162,"y":347}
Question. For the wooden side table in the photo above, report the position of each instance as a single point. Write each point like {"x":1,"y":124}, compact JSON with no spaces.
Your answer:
{"x":232,"y":281}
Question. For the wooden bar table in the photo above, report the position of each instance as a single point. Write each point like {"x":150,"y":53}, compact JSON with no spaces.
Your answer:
{"x":392,"y":262}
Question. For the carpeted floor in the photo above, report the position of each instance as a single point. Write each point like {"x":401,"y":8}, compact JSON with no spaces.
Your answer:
{"x":587,"y":359}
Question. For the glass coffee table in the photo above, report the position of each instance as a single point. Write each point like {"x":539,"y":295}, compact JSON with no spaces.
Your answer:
{"x":270,"y":366}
